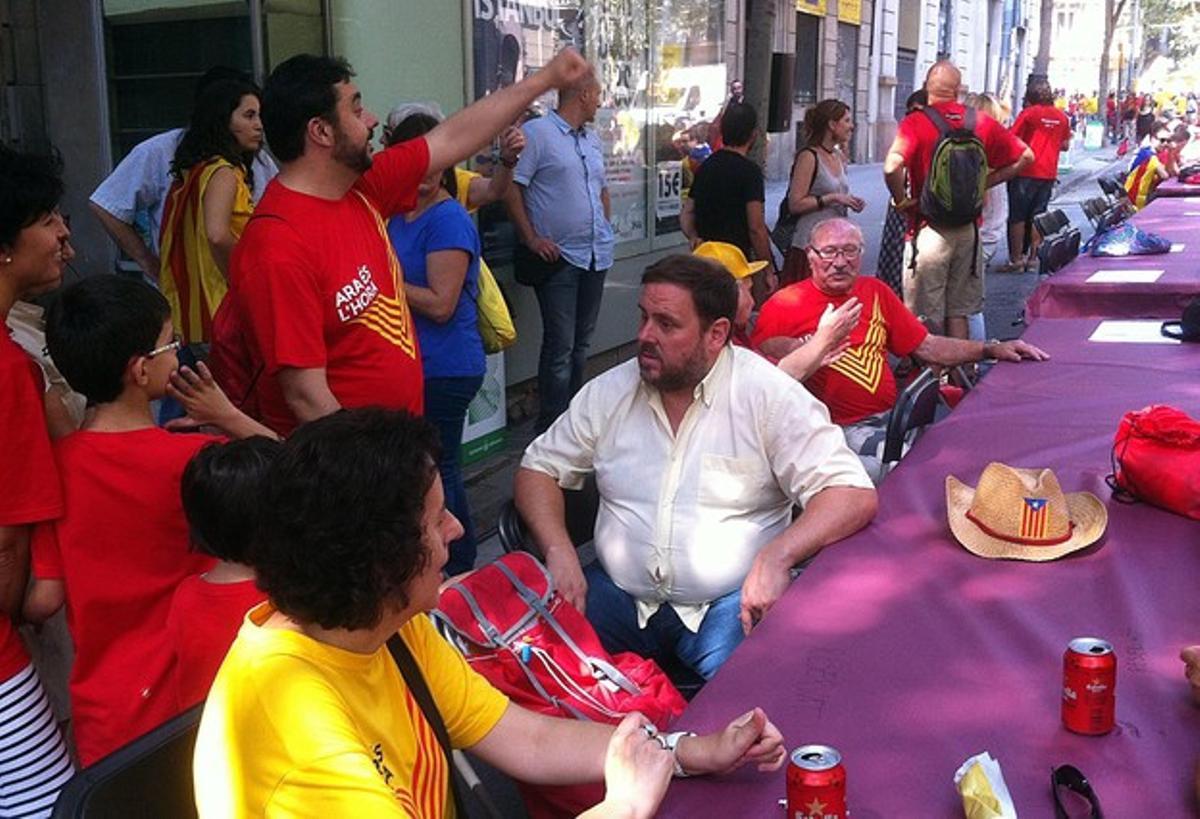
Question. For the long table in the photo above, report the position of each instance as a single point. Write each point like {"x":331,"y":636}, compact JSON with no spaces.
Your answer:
{"x":1173,"y":187}
{"x":910,"y":654}
{"x":1068,"y":293}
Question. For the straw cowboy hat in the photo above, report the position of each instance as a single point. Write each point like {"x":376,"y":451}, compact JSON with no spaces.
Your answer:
{"x":1022,"y":514}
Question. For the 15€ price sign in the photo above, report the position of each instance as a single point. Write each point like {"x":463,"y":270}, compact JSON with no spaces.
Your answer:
{"x":670,"y":189}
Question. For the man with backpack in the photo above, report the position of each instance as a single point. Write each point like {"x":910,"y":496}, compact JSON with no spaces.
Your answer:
{"x":950,"y":155}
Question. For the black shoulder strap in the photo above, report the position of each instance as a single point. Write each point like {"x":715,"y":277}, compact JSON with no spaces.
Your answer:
{"x":937,"y":119}
{"x":816,"y":167}
{"x":416,"y":684}
{"x":969,"y":120}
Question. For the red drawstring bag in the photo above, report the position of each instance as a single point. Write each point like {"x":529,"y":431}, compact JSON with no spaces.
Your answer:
{"x":530,"y":643}
{"x":1156,"y":459}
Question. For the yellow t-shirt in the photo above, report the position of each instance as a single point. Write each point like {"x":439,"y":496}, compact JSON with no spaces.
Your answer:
{"x":294,"y":727}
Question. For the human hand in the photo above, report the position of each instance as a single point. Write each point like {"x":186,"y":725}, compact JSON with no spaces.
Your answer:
{"x":544,"y":248}
{"x":766,"y":582}
{"x":750,"y":739}
{"x":512,"y":142}
{"x":1016,"y":350}
{"x":567,"y":68}
{"x":203,"y":400}
{"x":564,"y":568}
{"x":637,"y":769}
{"x":855,"y":203}
{"x":836,"y":324}
{"x":1191,"y":659}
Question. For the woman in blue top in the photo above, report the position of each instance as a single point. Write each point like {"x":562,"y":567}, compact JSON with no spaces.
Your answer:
{"x":438,"y":248}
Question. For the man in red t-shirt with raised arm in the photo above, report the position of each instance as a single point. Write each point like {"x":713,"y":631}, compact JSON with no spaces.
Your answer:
{"x":858,"y":387}
{"x":943,"y":269}
{"x":314,"y":278}
{"x":1047,"y":132}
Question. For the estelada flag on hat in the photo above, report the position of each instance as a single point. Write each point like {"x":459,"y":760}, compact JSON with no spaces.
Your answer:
{"x":1022,"y":514}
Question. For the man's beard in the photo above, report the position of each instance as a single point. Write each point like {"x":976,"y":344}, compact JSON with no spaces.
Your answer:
{"x":673,"y":379}
{"x":356,"y":159}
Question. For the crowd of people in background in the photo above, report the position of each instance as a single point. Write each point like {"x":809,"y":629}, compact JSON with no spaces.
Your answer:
{"x":264,"y":493}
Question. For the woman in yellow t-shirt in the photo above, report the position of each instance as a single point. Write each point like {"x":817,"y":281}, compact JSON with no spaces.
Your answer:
{"x":208,"y":204}
{"x":310,"y":716}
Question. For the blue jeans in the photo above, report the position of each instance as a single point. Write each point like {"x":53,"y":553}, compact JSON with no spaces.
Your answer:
{"x":446,"y":401}
{"x":665,"y":639}
{"x":569,"y":299}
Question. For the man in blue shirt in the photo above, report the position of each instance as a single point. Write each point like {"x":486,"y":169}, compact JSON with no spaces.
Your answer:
{"x":560,"y":208}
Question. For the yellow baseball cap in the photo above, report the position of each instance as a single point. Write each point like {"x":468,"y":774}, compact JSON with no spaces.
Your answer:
{"x":730,"y":257}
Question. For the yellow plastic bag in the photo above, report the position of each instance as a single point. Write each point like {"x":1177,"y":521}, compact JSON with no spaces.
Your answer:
{"x":495,"y":323}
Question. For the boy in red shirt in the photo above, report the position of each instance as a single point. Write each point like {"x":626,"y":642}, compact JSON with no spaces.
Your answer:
{"x":221,"y":498}
{"x":1046,"y":131}
{"x":121,"y":547}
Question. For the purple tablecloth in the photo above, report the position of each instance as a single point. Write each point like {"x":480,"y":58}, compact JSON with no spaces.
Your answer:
{"x":909,"y":654}
{"x":1173,"y":187}
{"x":1068,"y":294}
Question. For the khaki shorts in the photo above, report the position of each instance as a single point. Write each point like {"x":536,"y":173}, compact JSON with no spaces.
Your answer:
{"x":947,"y":281}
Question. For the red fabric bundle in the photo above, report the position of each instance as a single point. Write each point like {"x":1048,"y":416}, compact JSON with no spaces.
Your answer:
{"x":1156,"y":458}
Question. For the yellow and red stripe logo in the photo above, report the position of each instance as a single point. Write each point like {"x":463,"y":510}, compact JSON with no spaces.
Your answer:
{"x":1033,"y":519}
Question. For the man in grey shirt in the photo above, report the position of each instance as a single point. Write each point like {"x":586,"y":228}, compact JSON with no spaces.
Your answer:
{"x":560,"y":208}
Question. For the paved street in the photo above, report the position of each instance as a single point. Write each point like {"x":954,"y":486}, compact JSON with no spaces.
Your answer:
{"x":489,"y":483}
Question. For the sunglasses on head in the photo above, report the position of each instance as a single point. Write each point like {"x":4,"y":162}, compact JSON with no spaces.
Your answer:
{"x":1074,"y":797}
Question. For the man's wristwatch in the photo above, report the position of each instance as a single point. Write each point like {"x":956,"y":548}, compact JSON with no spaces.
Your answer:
{"x":991,"y":343}
{"x":669,"y":743}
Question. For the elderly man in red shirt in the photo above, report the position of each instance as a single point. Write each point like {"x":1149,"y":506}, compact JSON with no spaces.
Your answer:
{"x":858,"y":388}
{"x":943,"y":269}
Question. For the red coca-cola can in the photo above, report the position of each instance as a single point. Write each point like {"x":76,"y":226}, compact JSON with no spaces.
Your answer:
{"x":816,"y":784}
{"x":1089,"y":693}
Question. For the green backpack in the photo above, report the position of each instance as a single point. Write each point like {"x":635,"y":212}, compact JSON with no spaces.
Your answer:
{"x":957,"y":180}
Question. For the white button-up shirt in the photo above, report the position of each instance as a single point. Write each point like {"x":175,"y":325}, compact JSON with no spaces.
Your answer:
{"x":682,"y":516}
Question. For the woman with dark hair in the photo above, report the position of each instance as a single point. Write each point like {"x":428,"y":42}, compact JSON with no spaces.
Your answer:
{"x":1045,"y":129}
{"x":209,"y":204}
{"x":438,"y":247}
{"x":318,"y":708}
{"x":819,"y":188}
{"x":889,"y":269}
{"x":33,"y":249}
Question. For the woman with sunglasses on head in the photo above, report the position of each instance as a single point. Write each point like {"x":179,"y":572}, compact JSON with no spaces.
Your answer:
{"x":819,"y":188}
{"x":208,"y":205}
{"x":33,"y":249}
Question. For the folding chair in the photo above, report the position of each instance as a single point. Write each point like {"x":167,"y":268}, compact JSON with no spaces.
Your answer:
{"x":581,"y":507}
{"x":151,"y":776}
{"x":1050,"y":222}
{"x":915,"y":409}
{"x":1095,"y":208}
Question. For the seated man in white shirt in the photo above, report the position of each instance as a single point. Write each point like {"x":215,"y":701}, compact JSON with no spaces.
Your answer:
{"x":700,"y":450}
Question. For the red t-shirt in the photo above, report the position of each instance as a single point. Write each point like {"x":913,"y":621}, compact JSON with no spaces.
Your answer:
{"x":1044,"y":129}
{"x":31,"y":491}
{"x":916,"y":137}
{"x":121,"y":549}
{"x":203,"y":620}
{"x":319,"y":286}
{"x":860,"y":383}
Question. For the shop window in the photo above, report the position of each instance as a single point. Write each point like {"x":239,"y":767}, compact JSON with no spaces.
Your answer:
{"x":808,"y":50}
{"x":157,"y":49}
{"x":690,"y":88}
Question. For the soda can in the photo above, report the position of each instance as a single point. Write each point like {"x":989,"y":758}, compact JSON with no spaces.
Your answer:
{"x":1089,"y":693}
{"x":816,"y":784}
